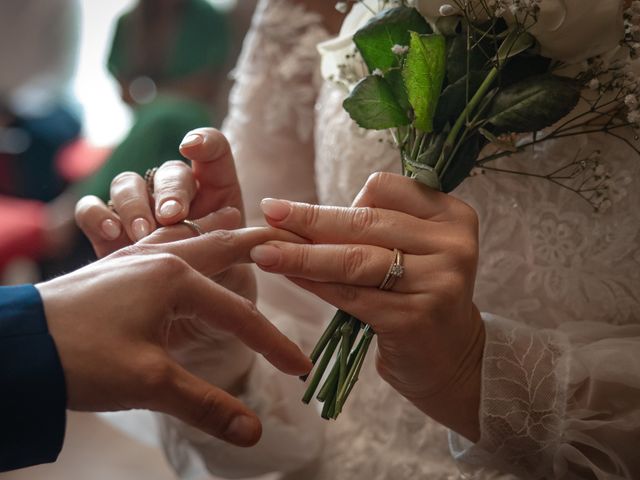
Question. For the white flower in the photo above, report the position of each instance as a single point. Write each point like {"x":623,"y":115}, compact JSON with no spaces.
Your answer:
{"x":567,"y":30}
{"x":342,"y":7}
{"x":399,"y":49}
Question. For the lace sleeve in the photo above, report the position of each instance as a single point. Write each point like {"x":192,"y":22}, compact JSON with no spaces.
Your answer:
{"x":559,"y":403}
{"x":270,"y":127}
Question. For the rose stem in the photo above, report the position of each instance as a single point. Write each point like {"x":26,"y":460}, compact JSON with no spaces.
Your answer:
{"x":331,"y":383}
{"x":336,"y":322}
{"x":352,"y":377}
{"x":322,"y":366}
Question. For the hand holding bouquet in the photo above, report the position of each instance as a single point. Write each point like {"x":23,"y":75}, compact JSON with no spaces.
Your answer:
{"x":463,"y":83}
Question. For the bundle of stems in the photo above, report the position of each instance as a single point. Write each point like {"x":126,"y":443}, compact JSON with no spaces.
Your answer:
{"x":351,"y":338}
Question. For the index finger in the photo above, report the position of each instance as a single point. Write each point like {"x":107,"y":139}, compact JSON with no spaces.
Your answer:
{"x":216,"y":251}
{"x":228,"y":311}
{"x":214,"y":170}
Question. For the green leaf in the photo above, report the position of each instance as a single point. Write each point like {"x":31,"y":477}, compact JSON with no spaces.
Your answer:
{"x":372,"y":105}
{"x":454,"y":99}
{"x":533,"y":104}
{"x":462,"y":163}
{"x":516,"y":42}
{"x":394,"y":77}
{"x":478,"y":58}
{"x":390,"y":27}
{"x":423,"y":73}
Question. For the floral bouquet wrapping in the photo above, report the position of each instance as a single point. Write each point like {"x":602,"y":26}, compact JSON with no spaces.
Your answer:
{"x":462,"y":83}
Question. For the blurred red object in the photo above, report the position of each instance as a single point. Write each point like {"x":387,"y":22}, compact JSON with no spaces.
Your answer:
{"x":21,"y":229}
{"x":79,"y":159}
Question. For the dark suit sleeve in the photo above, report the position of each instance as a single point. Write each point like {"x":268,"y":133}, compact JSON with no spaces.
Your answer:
{"x":32,"y":387}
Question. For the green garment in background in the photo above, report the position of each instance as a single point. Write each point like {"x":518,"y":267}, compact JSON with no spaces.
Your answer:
{"x":202,"y":43}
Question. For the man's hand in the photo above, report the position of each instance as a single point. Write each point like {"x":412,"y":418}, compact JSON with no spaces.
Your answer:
{"x":112,"y":322}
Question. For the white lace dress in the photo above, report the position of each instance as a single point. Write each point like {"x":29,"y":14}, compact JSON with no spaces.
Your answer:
{"x":560,"y":285}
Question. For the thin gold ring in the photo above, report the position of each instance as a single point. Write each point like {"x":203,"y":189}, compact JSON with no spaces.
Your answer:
{"x":396,"y":271}
{"x":194,"y":226}
{"x":111,"y":206}
{"x":149,"y":176}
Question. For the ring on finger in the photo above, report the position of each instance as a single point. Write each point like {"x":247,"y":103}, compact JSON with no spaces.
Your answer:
{"x":111,"y":206}
{"x":197,"y":229}
{"x":149,"y":177}
{"x":396,"y":271}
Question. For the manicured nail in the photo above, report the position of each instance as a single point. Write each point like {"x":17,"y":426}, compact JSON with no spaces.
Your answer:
{"x":110,"y":229}
{"x":141,"y":228}
{"x":275,"y":209}
{"x":170,"y":208}
{"x":241,"y":430}
{"x":191,"y":140}
{"x":265,"y":255}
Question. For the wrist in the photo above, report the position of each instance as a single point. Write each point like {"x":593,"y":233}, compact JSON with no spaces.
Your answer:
{"x":457,"y":404}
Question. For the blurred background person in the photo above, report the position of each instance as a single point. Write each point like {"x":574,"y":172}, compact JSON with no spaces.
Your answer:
{"x":169,"y":58}
{"x":38,"y":52}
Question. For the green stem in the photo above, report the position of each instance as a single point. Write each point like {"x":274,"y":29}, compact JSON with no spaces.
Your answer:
{"x":322,"y":367}
{"x":354,"y":372}
{"x":462,"y":119}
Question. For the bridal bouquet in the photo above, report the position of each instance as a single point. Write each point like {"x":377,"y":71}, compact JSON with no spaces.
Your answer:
{"x":462,"y":83}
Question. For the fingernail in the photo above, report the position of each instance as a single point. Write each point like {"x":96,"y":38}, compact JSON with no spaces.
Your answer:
{"x":241,"y":430}
{"x":275,"y":209}
{"x":110,"y":229}
{"x":191,"y":140}
{"x":265,"y":255}
{"x":170,"y":208}
{"x":141,"y":228}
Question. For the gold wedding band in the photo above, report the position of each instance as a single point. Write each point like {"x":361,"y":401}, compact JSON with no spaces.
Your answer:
{"x":149,"y":176}
{"x":111,"y":206}
{"x":194,"y":226}
{"x":396,"y":271}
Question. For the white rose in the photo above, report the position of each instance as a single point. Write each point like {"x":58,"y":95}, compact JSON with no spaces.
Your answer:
{"x":574,"y":30}
{"x":340,"y":61}
{"x":567,"y":30}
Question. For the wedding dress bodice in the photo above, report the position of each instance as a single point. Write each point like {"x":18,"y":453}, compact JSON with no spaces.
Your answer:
{"x":560,"y":285}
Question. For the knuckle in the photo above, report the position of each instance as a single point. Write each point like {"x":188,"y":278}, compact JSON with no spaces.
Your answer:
{"x":353,"y":261}
{"x":123,"y":177}
{"x":174,"y":164}
{"x":376,"y":180}
{"x":301,"y":261}
{"x":223,"y":238}
{"x":348,"y":294}
{"x":211,"y":412}
{"x":156,"y":374}
{"x":363,"y":219}
{"x":88,"y":209}
{"x":167,"y":264}
{"x":311,"y":215}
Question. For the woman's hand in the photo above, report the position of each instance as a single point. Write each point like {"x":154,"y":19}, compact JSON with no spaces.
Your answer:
{"x":116,"y":322}
{"x":430,"y":334}
{"x":181,"y":192}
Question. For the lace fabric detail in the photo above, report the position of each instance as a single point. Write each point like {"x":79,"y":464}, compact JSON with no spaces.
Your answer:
{"x":281,"y":54}
{"x":524,"y":398}
{"x":545,"y":259}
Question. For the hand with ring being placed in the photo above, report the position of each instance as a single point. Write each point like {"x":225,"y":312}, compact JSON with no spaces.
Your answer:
{"x":117,"y":322}
{"x":403,"y":259}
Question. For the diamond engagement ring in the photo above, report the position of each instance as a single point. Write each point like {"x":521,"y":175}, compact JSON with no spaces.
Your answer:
{"x":396,"y":271}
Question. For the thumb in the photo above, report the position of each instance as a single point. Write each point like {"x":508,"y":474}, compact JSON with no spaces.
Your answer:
{"x":208,"y":408}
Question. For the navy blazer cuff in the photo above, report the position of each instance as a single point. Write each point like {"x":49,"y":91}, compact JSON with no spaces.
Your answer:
{"x":32,"y":387}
